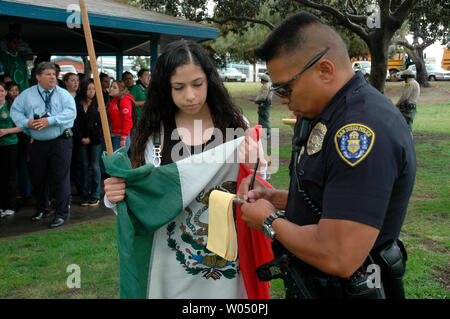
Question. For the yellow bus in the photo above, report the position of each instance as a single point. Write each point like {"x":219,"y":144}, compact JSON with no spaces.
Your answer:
{"x":445,"y":64}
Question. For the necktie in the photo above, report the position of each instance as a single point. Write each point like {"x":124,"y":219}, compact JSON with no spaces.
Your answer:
{"x":47,"y":100}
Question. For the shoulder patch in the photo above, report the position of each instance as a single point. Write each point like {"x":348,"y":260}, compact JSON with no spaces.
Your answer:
{"x":354,"y":142}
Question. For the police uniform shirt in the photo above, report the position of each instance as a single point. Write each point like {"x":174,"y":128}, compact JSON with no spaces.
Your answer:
{"x":358,"y":164}
{"x":410,"y":93}
{"x":264,"y":93}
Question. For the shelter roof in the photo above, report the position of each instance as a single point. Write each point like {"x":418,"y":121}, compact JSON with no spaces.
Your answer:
{"x":116,"y":27}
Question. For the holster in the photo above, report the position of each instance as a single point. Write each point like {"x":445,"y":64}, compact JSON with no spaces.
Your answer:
{"x":407,"y":110}
{"x":302,"y":281}
{"x":392,"y":258}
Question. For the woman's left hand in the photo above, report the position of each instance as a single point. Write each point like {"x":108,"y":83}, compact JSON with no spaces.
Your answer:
{"x":249,"y":151}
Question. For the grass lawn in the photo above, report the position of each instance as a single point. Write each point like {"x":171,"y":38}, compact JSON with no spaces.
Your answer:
{"x":35,"y":266}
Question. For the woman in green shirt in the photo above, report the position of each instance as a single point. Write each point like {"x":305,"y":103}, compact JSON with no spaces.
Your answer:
{"x":8,"y":157}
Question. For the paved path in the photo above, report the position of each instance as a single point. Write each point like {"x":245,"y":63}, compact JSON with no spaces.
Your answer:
{"x":21,"y":224}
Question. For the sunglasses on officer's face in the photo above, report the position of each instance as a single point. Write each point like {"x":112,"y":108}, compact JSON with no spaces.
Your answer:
{"x":283,"y":90}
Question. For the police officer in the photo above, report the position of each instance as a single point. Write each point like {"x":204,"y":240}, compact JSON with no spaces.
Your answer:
{"x":351,"y":174}
{"x":407,"y":104}
{"x":264,"y":101}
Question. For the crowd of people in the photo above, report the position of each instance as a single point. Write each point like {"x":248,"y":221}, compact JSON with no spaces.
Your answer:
{"x":51,"y":133}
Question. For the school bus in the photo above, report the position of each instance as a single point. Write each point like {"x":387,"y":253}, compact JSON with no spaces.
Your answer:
{"x":445,"y":64}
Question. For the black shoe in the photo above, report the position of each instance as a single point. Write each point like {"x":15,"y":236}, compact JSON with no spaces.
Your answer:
{"x":57,"y":222}
{"x":93,"y":202}
{"x":85,"y":202}
{"x":40,"y":215}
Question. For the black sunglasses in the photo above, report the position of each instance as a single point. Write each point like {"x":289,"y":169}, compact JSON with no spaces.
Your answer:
{"x":283,"y":90}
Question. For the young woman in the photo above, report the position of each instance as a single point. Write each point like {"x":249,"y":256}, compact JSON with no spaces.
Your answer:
{"x":88,"y":134}
{"x":8,"y":157}
{"x":185,"y":90}
{"x":71,"y":83}
{"x":23,"y":173}
{"x":12,"y":91}
{"x":120,"y":111}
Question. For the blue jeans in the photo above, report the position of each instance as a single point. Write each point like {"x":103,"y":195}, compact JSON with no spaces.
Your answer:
{"x":115,"y":140}
{"x":90,"y":156}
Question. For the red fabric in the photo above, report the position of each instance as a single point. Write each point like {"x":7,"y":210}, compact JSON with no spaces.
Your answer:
{"x":254,"y":247}
{"x":121,"y":117}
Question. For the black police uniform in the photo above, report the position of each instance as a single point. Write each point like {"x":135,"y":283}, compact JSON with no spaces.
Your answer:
{"x":358,"y":164}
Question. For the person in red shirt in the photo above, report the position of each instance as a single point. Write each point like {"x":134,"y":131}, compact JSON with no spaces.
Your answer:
{"x":120,"y":111}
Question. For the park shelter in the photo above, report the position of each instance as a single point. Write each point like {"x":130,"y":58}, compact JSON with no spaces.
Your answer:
{"x":117,"y":29}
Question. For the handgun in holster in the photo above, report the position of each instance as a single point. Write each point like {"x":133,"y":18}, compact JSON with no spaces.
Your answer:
{"x":281,"y":267}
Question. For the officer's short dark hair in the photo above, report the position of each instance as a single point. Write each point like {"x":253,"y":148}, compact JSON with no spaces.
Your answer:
{"x":141,"y":71}
{"x":285,"y":37}
{"x":44,"y":66}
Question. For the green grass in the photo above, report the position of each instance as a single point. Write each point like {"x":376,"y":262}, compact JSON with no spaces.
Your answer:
{"x":433,"y":118}
{"x":34,"y":266}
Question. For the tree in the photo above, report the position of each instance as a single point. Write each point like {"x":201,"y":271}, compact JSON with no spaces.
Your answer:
{"x":428,"y":23}
{"x":375,"y":28}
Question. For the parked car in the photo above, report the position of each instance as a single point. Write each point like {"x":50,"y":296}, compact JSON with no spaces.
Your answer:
{"x":363,"y":66}
{"x":261,"y":71}
{"x":232,"y":74}
{"x":434,"y":72}
{"x":67,"y":68}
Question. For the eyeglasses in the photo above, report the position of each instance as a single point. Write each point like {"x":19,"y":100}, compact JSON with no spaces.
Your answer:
{"x":283,"y":90}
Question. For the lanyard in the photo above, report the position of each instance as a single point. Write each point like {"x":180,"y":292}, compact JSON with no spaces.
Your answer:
{"x":47,"y":102}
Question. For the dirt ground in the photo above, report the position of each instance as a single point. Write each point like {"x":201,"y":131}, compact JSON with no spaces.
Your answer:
{"x":439,"y":92}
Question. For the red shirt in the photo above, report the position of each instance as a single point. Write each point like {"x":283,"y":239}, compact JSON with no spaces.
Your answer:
{"x":121,"y":116}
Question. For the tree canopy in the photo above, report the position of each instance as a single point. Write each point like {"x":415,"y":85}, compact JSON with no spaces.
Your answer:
{"x":367,"y":26}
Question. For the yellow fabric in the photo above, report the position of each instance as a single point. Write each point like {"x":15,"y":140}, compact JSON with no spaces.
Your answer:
{"x":222,"y":237}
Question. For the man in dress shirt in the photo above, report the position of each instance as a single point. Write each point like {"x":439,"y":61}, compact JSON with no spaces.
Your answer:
{"x":46,"y":112}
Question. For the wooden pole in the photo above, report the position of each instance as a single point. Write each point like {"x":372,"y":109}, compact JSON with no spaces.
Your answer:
{"x":94,"y":68}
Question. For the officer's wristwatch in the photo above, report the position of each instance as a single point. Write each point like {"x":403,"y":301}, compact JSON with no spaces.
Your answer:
{"x":267,"y":224}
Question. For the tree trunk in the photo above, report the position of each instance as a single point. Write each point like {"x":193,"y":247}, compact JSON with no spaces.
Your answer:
{"x":421,"y":70}
{"x":378,"y":46}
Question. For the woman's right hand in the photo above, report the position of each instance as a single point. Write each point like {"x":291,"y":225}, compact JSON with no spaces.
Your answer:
{"x":115,"y":189}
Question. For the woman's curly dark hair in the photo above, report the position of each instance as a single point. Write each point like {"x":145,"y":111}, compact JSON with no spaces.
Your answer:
{"x":159,"y":106}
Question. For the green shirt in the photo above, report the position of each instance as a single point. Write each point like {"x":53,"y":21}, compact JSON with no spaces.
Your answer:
{"x":6,"y":122}
{"x":139,"y":95}
{"x":16,"y":67}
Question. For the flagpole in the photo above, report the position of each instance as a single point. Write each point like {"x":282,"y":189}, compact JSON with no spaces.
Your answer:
{"x":94,"y":69}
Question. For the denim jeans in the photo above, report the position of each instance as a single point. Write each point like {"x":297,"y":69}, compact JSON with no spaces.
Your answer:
{"x":115,"y":140}
{"x":90,"y":156}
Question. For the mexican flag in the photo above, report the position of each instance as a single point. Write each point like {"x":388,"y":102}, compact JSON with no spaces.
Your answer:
{"x":162,"y":229}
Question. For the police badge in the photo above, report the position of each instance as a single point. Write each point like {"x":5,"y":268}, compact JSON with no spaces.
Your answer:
{"x":354,"y":142}
{"x":315,"y":139}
